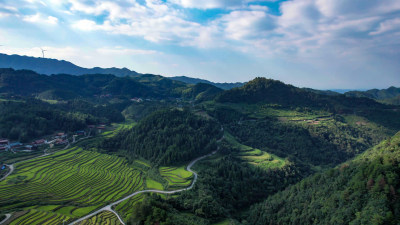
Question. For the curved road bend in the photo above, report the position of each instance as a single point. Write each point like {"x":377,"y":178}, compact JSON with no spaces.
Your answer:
{"x":7,"y":217}
{"x":108,"y":207}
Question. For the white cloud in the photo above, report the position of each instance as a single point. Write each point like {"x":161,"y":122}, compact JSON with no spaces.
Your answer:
{"x":387,"y":26}
{"x":39,"y":18}
{"x":125,"y":51}
{"x":212,"y":4}
{"x":208,"y":4}
{"x":239,"y":25}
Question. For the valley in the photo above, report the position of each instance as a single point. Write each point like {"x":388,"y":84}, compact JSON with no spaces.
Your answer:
{"x":142,"y":150}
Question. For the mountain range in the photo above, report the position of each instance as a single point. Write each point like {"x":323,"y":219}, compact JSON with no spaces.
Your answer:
{"x":53,"y":66}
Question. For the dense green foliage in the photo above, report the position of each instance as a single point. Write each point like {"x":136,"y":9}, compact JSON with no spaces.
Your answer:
{"x":201,"y":92}
{"x":154,"y":210}
{"x":362,"y":191}
{"x":167,"y":137}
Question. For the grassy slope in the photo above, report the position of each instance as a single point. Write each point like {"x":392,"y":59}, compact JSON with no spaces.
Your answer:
{"x":255,"y":156}
{"x":177,"y":177}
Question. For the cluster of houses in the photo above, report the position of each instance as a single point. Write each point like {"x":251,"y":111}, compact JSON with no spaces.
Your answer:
{"x":60,"y":138}
{"x":7,"y":145}
{"x":56,"y":139}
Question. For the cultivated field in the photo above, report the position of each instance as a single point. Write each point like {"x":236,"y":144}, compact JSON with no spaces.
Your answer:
{"x":103,"y":218}
{"x":255,"y":156}
{"x":177,"y":177}
{"x":67,"y":184}
{"x":124,"y":209}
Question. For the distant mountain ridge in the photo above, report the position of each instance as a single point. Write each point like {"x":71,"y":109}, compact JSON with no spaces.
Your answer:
{"x":390,"y":95}
{"x":190,"y":80}
{"x":53,"y":66}
{"x":49,"y":66}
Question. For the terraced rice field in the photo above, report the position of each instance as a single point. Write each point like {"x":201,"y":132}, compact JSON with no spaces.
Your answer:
{"x":177,"y":177}
{"x":255,"y":156}
{"x":67,"y":184}
{"x":124,"y":209}
{"x":103,"y":218}
{"x":34,"y":217}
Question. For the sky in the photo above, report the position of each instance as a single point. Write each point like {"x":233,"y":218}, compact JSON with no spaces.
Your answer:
{"x":322,"y":44}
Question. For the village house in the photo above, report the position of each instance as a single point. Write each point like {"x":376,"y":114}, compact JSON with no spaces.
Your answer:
{"x":39,"y":142}
{"x":4,"y":142}
{"x":15,"y":144}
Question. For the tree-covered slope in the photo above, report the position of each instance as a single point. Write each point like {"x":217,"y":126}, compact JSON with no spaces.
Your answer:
{"x":201,"y":92}
{"x":388,"y":95}
{"x":362,"y":191}
{"x":64,"y":86}
{"x":262,"y":90}
{"x":166,"y":137}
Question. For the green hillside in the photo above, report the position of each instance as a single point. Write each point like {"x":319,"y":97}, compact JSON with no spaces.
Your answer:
{"x":360,"y":191}
{"x":167,"y":137}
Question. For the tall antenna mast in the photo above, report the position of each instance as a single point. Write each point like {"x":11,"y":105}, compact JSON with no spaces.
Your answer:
{"x":43,"y":51}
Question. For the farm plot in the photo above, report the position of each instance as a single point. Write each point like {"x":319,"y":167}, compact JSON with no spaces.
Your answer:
{"x":255,"y":156}
{"x":124,"y":209}
{"x":78,"y":180}
{"x":38,"y":217}
{"x":103,"y":218}
{"x":177,"y":177}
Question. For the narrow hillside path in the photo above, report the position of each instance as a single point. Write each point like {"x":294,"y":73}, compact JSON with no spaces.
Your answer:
{"x":9,"y":172}
{"x":109,"y":207}
{"x":7,"y":217}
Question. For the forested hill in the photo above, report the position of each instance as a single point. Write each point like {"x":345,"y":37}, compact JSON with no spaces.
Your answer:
{"x":362,"y":191}
{"x":65,"y":87}
{"x":390,"y":95}
{"x":166,"y":137}
{"x":262,"y":90}
{"x":190,"y":80}
{"x":53,"y":66}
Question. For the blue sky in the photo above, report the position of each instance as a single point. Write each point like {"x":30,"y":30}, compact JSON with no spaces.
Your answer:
{"x":309,"y":43}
